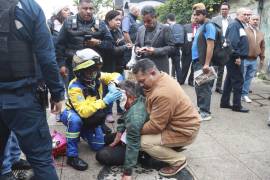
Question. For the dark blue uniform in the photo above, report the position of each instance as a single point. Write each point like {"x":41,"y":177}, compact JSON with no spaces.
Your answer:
{"x":20,"y":110}
{"x":234,"y":79}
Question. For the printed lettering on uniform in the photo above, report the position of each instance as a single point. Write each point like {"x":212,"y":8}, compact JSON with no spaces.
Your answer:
{"x":242,"y":32}
{"x":80,"y":98}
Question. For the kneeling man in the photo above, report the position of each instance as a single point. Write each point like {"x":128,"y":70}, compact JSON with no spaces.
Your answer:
{"x":173,"y":120}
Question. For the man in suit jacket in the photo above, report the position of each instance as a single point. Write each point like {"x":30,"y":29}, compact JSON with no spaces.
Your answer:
{"x":222,"y":20}
{"x":154,"y":40}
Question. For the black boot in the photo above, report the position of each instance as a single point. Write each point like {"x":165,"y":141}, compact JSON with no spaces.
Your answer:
{"x":21,"y":165}
{"x":77,"y":163}
{"x":8,"y":176}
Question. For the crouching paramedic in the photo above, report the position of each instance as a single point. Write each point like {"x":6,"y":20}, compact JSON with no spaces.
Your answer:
{"x":84,"y":112}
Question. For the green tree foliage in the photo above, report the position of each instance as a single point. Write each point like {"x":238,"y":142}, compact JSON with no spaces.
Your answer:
{"x":183,"y":9}
{"x":98,"y":3}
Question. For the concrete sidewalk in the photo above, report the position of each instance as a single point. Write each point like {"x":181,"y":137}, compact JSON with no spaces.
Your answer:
{"x":232,"y":146}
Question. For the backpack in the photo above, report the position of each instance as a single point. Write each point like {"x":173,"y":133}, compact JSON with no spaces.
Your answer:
{"x":222,"y":47}
{"x":178,"y":33}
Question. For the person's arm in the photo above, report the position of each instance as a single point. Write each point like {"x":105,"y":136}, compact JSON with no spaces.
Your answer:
{"x":107,"y":78}
{"x":134,"y":125}
{"x":210,"y":36}
{"x":45,"y":52}
{"x":125,"y":28}
{"x":169,"y":42}
{"x":233,"y":35}
{"x":262,"y":54}
{"x":84,"y":107}
{"x":107,"y":40}
{"x":160,"y":115}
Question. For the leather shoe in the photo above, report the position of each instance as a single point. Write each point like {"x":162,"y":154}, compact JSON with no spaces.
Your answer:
{"x":228,"y":106}
{"x":218,"y":90}
{"x":240,"y":109}
{"x":77,"y":163}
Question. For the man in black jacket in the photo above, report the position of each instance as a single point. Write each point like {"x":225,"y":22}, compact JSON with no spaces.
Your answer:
{"x":234,"y":79}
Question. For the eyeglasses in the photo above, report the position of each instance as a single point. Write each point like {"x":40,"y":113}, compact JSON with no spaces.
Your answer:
{"x":246,"y":14}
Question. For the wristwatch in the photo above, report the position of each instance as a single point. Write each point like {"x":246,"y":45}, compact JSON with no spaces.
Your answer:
{"x":127,"y":172}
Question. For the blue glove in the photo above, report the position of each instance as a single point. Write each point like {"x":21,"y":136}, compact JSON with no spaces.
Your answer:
{"x":112,"y":87}
{"x":112,"y":96}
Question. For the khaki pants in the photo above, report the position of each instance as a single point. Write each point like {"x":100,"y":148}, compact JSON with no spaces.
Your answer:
{"x":152,"y":145}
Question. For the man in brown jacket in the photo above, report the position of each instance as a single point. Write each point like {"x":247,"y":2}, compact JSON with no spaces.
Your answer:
{"x":173,"y":120}
{"x":256,"y":49}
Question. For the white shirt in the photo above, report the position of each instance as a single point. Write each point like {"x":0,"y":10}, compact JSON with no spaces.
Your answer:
{"x":225,"y":24}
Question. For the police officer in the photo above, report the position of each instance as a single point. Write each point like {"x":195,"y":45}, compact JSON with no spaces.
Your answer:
{"x":78,"y":32}
{"x":85,"y":113}
{"x":27,"y":55}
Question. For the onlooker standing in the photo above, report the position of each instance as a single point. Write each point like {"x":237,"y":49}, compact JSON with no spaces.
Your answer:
{"x":154,"y":40}
{"x":223,"y":20}
{"x":234,"y":79}
{"x":202,"y":52}
{"x":256,"y":49}
{"x":130,"y":26}
{"x":178,"y":34}
{"x":55,"y":23}
{"x":186,"y":59}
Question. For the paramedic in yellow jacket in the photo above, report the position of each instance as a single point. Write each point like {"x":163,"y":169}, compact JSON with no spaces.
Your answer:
{"x":84,"y":108}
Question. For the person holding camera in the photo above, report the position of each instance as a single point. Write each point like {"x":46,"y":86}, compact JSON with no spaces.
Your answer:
{"x":154,"y":40}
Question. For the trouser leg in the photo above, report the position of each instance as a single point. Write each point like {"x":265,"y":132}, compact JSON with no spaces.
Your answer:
{"x":32,"y":131}
{"x":12,"y":154}
{"x":111,"y":156}
{"x":220,"y":77}
{"x":151,"y":144}
{"x":73,"y":123}
{"x":203,"y":93}
{"x":185,"y":61}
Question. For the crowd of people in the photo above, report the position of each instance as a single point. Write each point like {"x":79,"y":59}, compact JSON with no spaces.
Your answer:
{"x":82,"y":59}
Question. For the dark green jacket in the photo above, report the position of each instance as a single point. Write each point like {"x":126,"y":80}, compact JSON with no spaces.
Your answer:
{"x":132,"y":121}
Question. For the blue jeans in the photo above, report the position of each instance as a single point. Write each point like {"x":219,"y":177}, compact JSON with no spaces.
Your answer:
{"x":203,"y":92}
{"x":11,"y":155}
{"x":250,"y":67}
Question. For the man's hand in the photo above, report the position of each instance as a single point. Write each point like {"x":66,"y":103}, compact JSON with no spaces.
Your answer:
{"x":129,"y":45}
{"x":206,"y":69}
{"x":124,"y":177}
{"x":92,"y":42}
{"x":64,"y":71}
{"x":56,"y":107}
{"x":117,"y":139}
{"x":150,"y":50}
{"x":238,"y":61}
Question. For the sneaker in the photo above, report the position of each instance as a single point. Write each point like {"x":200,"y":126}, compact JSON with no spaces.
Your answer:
{"x":246,"y":99}
{"x":205,"y":117}
{"x":172,"y":170}
{"x":109,"y":118}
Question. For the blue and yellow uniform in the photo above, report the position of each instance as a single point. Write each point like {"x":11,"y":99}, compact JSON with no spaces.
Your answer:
{"x":80,"y":107}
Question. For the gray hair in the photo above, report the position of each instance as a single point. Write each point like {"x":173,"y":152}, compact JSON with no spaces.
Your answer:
{"x":148,"y":10}
{"x":131,"y":88}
